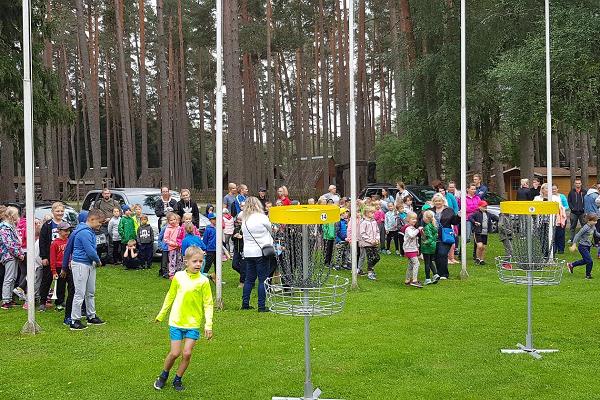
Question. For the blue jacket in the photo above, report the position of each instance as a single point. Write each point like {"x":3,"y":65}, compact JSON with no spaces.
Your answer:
{"x":81,"y":246}
{"x":191,"y":240}
{"x":589,"y":202}
{"x":452,"y":202}
{"x":481,"y":191}
{"x":341,"y":231}
{"x":210,"y":238}
{"x":161,"y":239}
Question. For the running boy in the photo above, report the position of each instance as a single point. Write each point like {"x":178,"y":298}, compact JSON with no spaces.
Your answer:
{"x":584,"y":240}
{"x":189,"y":299}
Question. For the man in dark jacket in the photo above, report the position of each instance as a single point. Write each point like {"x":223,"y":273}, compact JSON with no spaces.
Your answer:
{"x":535,"y":188}
{"x":524,"y":193}
{"x":164,"y":205}
{"x":575,"y":199}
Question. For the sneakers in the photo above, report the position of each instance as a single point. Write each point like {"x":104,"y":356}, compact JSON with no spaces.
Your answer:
{"x":20,"y":293}
{"x":397,"y":252}
{"x":59,"y":307}
{"x":588,"y":277}
{"x":265,"y":310}
{"x":77,"y":326}
{"x":25,"y":306}
{"x":443,"y":278}
{"x":481,"y":262}
{"x":436,"y":278}
{"x":416,"y":284}
{"x":160,"y":382}
{"x":247,"y":307}
{"x":42,"y":308}
{"x":361,"y":272}
{"x":371,"y":275}
{"x":388,"y":252}
{"x":178,"y":385}
{"x":67,"y":321}
{"x":570,"y":267}
{"x":476,"y":261}
{"x":428,"y":281}
{"x":7,"y":306}
{"x":95,"y":321}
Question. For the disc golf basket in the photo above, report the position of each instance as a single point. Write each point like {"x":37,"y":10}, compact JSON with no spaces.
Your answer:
{"x":532,"y":263}
{"x":305,"y":288}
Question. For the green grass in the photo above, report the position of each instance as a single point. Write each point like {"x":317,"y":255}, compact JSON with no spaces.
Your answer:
{"x":390,"y":342}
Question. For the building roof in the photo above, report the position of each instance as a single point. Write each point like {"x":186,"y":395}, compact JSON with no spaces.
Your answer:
{"x":556,"y":171}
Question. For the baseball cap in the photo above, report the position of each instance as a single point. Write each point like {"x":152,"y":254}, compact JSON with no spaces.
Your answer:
{"x":63,"y":226}
{"x":262,"y":189}
{"x":211,"y":216}
{"x":483,"y":203}
{"x":125,"y":207}
{"x":343,"y":210}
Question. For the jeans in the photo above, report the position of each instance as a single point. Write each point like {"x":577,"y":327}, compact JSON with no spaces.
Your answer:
{"x":441,"y":258}
{"x":586,"y":259}
{"x":381,"y":226}
{"x":574,"y":218}
{"x":145,"y":254}
{"x":209,"y":260}
{"x":84,"y":279}
{"x":559,"y":239}
{"x":239,"y":264}
{"x":256,"y":267}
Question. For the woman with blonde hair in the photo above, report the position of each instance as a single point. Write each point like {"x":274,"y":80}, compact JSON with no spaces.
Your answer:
{"x":284,"y":196}
{"x":258,"y":242}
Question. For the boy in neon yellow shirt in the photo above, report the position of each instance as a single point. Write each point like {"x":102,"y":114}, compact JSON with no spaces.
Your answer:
{"x":189,"y":298}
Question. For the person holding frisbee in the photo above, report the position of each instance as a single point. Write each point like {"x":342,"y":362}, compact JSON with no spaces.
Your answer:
{"x":190,"y":299}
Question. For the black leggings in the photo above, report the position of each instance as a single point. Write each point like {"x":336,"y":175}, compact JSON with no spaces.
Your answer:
{"x":391,"y":235}
{"x":328,"y":251}
{"x":46,"y":283}
{"x":429,"y":265}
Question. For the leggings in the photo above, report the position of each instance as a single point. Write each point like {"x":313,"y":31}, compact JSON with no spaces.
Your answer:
{"x":328,"y":251}
{"x":429,"y":265}
{"x":372,"y":255}
{"x":412,"y":272}
{"x":392,"y":235}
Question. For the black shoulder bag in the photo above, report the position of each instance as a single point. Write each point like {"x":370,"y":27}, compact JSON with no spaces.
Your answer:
{"x":267,"y":250}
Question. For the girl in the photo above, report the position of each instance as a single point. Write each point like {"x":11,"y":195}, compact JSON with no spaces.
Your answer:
{"x":411,"y":250}
{"x":380,"y":219}
{"x":187,"y":218}
{"x":228,"y":226}
{"x":170,"y":238}
{"x":369,"y":241}
{"x":238,"y":262}
{"x":191,"y":299}
{"x":428,"y":245}
{"x":10,"y":253}
{"x":408,"y":203}
{"x":584,"y":240}
{"x":400,"y":222}
{"x":391,"y":228}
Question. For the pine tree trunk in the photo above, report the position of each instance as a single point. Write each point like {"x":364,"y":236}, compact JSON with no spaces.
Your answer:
{"x":7,"y":165}
{"x":585,"y":157}
{"x":271,"y":137}
{"x":165,"y":124}
{"x":572,"y":143}
{"x":187,"y":178}
{"x":526,"y":153}
{"x":144,"y":178}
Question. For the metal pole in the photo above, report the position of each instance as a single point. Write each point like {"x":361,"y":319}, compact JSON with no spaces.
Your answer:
{"x":463,"y":139}
{"x":529,"y":337}
{"x":352,"y":117}
{"x":308,"y":386}
{"x":31,"y":325}
{"x":219,"y":156}
{"x":548,"y":122}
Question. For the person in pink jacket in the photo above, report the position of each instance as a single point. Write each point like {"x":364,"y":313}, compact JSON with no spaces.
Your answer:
{"x":368,"y":241}
{"x":187,"y":217}
{"x":228,"y":226}
{"x":379,"y":217}
{"x":472,"y":206}
{"x":170,"y":238}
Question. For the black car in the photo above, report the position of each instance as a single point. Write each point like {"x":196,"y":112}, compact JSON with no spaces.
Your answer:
{"x":419,"y":193}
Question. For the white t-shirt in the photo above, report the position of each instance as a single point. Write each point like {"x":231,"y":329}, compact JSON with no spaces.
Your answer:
{"x":334,"y":197}
{"x":256,"y":231}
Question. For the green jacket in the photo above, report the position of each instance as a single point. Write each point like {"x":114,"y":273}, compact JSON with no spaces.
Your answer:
{"x":127,"y":229}
{"x":428,"y":243}
{"x":329,"y":231}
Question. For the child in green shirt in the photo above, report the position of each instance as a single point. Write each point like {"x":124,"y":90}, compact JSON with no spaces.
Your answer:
{"x":428,"y":246}
{"x":189,"y":299}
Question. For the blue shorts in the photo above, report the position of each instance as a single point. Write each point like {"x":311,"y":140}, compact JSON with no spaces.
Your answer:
{"x":180,"y":333}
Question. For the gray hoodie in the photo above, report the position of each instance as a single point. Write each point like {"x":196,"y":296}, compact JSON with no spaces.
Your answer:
{"x":585,"y":235}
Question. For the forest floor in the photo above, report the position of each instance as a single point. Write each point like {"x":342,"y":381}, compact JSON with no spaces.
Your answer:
{"x":390,"y":342}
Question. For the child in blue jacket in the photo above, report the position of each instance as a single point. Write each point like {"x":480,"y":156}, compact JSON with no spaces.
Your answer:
{"x":210,"y":241}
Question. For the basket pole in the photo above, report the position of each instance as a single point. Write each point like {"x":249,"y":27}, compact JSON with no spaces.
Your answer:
{"x":529,"y":337}
{"x":308,"y":386}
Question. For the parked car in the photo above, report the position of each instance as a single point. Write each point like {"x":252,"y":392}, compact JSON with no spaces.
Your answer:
{"x":147,"y":197}
{"x":419,"y":193}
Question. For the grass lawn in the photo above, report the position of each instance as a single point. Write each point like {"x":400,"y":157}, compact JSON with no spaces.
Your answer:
{"x":390,"y":342}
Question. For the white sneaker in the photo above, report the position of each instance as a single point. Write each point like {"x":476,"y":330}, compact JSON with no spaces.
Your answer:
{"x":388,"y":252}
{"x":436,"y":278}
{"x":443,"y":278}
{"x":20,"y":293}
{"x":397,"y":252}
{"x":428,"y":281}
{"x":372,"y":276}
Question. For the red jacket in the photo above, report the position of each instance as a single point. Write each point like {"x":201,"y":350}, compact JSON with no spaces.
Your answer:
{"x":57,"y":251}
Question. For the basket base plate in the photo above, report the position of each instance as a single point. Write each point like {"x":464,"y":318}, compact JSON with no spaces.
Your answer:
{"x":535,"y":353}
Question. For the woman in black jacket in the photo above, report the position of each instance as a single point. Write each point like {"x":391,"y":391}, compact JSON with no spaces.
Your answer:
{"x":445,"y":218}
{"x":186,"y":205}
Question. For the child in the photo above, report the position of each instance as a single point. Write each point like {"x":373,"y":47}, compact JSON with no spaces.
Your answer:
{"x":10,"y":253}
{"x":190,"y":239}
{"x":137,"y":217}
{"x":369,"y":241}
{"x":328,"y":242}
{"x":57,"y":251}
{"x":37,"y":262}
{"x":268,"y":206}
{"x":411,"y":250}
{"x":310,"y":201}
{"x":113,"y":234}
{"x":428,"y":246}
{"x":584,"y":240}
{"x":130,"y":256}
{"x":187,"y":217}
{"x":145,"y":238}
{"x":170,"y":238}
{"x":228,"y":225}
{"x":164,"y":247}
{"x":408,"y":203}
{"x":342,"y":246}
{"x":482,"y":224}
{"x":127,"y":229}
{"x":190,"y":298}
{"x":238,"y":263}
{"x":210,"y":241}
{"x":400,"y":222}
{"x":380,"y":219}
{"x":391,"y":228}
{"x":505,"y":233}
{"x":48,"y":233}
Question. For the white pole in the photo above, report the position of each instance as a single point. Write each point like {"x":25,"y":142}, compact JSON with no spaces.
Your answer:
{"x":30,"y":326}
{"x":463,"y":138}
{"x":219,"y":156}
{"x":548,"y":117}
{"x":352,"y":117}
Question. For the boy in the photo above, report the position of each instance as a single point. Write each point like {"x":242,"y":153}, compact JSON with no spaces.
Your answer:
{"x":482,"y":225}
{"x":584,"y":240}
{"x":145,"y":238}
{"x":113,"y":235}
{"x":164,"y":247}
{"x":329,"y":241}
{"x":210,"y":241}
{"x":81,"y":247}
{"x":190,"y":238}
{"x":130,"y":256}
{"x":137,"y":217}
{"x":57,"y":251}
{"x":189,"y":298}
{"x":342,"y":246}
{"x":127,"y":229}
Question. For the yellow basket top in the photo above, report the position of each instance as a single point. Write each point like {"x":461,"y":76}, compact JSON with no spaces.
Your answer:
{"x":304,"y":214}
{"x":529,"y":207}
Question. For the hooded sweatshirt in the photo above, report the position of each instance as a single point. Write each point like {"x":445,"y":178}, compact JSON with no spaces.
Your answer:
{"x":590,"y":201}
{"x":411,"y":239}
{"x":81,"y":247}
{"x":228,"y":222}
{"x":368,"y":233}
{"x":10,"y":244}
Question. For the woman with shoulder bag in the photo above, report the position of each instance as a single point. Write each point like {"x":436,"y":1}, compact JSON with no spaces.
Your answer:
{"x":258,"y":251}
{"x":445,"y":218}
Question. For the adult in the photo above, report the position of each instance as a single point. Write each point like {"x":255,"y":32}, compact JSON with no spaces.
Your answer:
{"x":240,"y":199}
{"x":575,"y":200}
{"x":48,"y":233}
{"x":164,"y":205}
{"x":560,"y":221}
{"x":186,"y":205}
{"x":450,"y":199}
{"x":445,"y":218}
{"x":402,"y":192}
{"x":559,"y":231}
{"x":591,"y":202}
{"x":284,"y":196}
{"x":524,"y":192}
{"x":262,"y":197}
{"x":386,"y":197}
{"x":535,"y":188}
{"x":332,"y":195}
{"x":229,"y":199}
{"x":257,"y":234}
{"x":471,"y":206}
{"x":106,"y":204}
{"x":481,"y":189}
{"x":452,"y":189}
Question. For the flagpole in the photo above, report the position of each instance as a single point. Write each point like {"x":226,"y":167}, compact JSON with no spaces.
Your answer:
{"x":352,"y":118}
{"x":463,"y":138}
{"x":549,"y":115}
{"x":219,"y":156}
